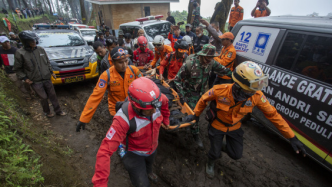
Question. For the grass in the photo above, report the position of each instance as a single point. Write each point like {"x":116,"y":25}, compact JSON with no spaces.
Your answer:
{"x":23,"y":24}
{"x":24,"y":142}
{"x":19,"y":164}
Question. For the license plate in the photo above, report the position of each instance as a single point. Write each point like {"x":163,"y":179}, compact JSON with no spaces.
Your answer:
{"x":70,"y":62}
{"x":74,"y":79}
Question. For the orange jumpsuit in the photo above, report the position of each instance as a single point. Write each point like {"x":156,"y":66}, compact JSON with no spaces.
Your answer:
{"x":118,"y":91}
{"x":173,"y":65}
{"x":227,"y":58}
{"x":235,"y":15}
{"x":160,"y":54}
{"x":222,"y":94}
{"x":259,"y":13}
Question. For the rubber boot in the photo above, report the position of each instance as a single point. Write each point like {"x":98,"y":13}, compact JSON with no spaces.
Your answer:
{"x":198,"y":141}
{"x":210,"y":168}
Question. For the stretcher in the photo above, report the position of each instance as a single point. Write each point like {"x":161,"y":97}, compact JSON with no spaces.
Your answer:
{"x":176,"y":104}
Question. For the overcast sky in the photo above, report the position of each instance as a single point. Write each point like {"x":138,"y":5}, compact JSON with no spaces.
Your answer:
{"x":278,"y":7}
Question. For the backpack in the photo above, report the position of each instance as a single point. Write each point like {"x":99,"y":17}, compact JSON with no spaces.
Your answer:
{"x":132,"y":123}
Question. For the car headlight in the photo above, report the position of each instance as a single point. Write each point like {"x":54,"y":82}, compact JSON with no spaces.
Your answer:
{"x":93,"y":58}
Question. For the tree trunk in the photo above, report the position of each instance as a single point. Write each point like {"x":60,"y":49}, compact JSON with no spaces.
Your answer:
{"x":221,"y":12}
{"x":58,"y":8}
{"x":11,"y":4}
{"x":190,"y":10}
{"x":72,"y":8}
{"x":25,"y":4}
{"x":19,"y":3}
{"x":83,"y":13}
{"x":87,"y":10}
{"x":49,"y":4}
{"x":54,"y":10}
{"x":4,"y":4}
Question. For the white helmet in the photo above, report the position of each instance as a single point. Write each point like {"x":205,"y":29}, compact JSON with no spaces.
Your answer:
{"x":188,"y":39}
{"x":158,"y":40}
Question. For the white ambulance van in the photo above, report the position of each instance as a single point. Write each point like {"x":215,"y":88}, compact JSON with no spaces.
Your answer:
{"x":296,"y":52}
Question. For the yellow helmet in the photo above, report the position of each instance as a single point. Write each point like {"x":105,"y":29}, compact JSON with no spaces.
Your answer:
{"x":250,"y":76}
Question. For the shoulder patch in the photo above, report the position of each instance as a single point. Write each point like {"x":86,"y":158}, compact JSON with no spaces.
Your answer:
{"x":110,"y":133}
{"x":263,"y":99}
{"x":230,"y":54}
{"x":211,"y":92}
{"x":224,"y":100}
{"x":102,"y":83}
{"x":248,"y":103}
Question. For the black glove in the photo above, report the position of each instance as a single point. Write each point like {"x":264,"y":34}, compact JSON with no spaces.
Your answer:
{"x":182,"y":101}
{"x":297,"y":145}
{"x":196,"y":118}
{"x":79,"y":125}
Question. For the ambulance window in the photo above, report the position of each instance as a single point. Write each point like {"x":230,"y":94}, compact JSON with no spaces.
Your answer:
{"x":290,"y":50}
{"x":130,"y":29}
{"x":315,"y":59}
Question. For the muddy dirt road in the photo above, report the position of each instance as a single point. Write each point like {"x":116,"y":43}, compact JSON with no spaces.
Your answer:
{"x":267,"y":160}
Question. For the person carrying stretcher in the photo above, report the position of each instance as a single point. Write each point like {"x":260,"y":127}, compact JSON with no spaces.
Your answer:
{"x":135,"y":131}
{"x":174,"y":60}
{"x":143,"y":55}
{"x":229,"y":105}
{"x":116,"y":80}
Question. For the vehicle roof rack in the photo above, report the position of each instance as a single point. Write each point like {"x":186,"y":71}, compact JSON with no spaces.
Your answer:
{"x":53,"y":26}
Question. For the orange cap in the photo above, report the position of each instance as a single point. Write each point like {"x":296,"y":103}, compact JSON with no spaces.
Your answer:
{"x":228,"y":35}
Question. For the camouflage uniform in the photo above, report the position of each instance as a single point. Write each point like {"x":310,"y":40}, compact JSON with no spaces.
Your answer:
{"x":192,"y":79}
{"x":197,"y":16}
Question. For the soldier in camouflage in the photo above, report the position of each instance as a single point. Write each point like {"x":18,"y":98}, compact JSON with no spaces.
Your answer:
{"x":192,"y":80}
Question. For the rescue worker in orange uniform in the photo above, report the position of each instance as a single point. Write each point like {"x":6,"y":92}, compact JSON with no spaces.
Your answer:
{"x":231,"y":103}
{"x":174,"y":35}
{"x":116,"y":80}
{"x":160,"y":49}
{"x":235,"y":15}
{"x":226,"y":57}
{"x":173,"y":61}
{"x":262,"y":11}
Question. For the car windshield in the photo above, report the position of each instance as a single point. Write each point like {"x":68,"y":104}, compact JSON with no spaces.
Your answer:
{"x":88,"y":32}
{"x":59,"y":39}
{"x":157,"y":29}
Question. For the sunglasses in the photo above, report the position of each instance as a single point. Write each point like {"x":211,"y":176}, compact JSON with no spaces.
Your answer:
{"x":157,"y":45}
{"x":225,"y":39}
{"x":112,"y":40}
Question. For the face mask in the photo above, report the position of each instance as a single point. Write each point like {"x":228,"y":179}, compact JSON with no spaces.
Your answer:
{"x":199,"y":35}
{"x":239,"y":94}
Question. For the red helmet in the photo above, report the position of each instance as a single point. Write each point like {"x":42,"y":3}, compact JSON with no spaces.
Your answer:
{"x":144,"y":94}
{"x":142,"y":41}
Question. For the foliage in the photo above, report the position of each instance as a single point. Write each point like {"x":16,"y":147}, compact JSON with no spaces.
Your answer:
{"x":19,"y":164}
{"x":20,"y":22}
{"x":314,"y":14}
